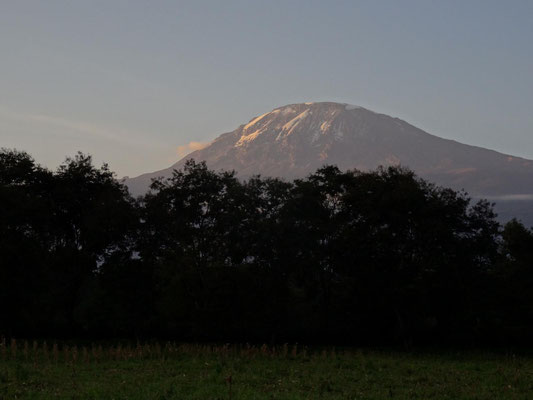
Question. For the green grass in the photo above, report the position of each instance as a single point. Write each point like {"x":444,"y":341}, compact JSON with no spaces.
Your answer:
{"x":202,"y":372}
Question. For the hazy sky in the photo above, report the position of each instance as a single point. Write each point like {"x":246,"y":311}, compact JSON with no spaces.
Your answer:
{"x":131,"y":81}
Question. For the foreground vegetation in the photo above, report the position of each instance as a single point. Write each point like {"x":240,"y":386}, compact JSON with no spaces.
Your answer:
{"x":40,"y":371}
{"x":365,"y":258}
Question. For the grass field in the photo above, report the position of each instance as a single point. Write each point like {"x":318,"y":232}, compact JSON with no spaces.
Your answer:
{"x":37,"y":371}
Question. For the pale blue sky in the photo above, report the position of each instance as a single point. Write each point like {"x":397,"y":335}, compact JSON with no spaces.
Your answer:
{"x":131,"y":81}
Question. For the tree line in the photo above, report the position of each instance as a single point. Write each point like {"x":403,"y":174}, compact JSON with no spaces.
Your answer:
{"x":379,"y":257}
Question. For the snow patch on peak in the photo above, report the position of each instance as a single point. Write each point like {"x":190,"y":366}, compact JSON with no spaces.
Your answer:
{"x":309,"y":103}
{"x":245,"y":139}
{"x":288,"y":110}
{"x":293,"y":123}
{"x":350,"y":107}
{"x":254,"y":121}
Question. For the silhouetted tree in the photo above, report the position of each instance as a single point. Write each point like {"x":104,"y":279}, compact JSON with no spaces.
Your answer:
{"x":354,"y":257}
{"x":25,"y":222}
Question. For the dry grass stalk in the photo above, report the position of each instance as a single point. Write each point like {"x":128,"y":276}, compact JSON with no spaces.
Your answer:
{"x":55,"y":353}
{"x":13,"y":348}
{"x":139,"y":351}
{"x":45,"y":351}
{"x":75,"y":354}
{"x":333,"y":354}
{"x":85,"y":354}
{"x":26,"y":350}
{"x":66,"y":353}
{"x":100,"y":352}
{"x":35,"y":351}
{"x":3,"y":348}
{"x":94,"y":352}
{"x":294,"y":351}
{"x":128,"y":352}
{"x":285,"y":350}
{"x":119,"y":353}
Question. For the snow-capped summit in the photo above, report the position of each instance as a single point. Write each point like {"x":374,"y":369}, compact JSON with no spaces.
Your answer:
{"x":312,"y":122}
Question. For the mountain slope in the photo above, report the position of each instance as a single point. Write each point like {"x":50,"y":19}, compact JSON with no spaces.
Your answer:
{"x":294,"y":140}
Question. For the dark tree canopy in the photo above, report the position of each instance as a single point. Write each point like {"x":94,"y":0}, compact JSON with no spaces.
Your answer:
{"x":378,"y":257}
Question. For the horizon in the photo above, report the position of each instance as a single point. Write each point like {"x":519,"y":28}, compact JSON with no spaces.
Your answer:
{"x":183,"y":151}
{"x":137,"y":86}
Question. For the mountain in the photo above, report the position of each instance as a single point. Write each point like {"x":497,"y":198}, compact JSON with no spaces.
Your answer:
{"x":294,"y":140}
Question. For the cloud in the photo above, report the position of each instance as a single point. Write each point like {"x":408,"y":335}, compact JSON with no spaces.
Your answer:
{"x":80,"y":128}
{"x":511,"y":197}
{"x":188,"y":148}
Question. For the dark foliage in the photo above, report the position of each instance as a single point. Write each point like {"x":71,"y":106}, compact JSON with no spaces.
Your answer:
{"x":380,"y":257}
